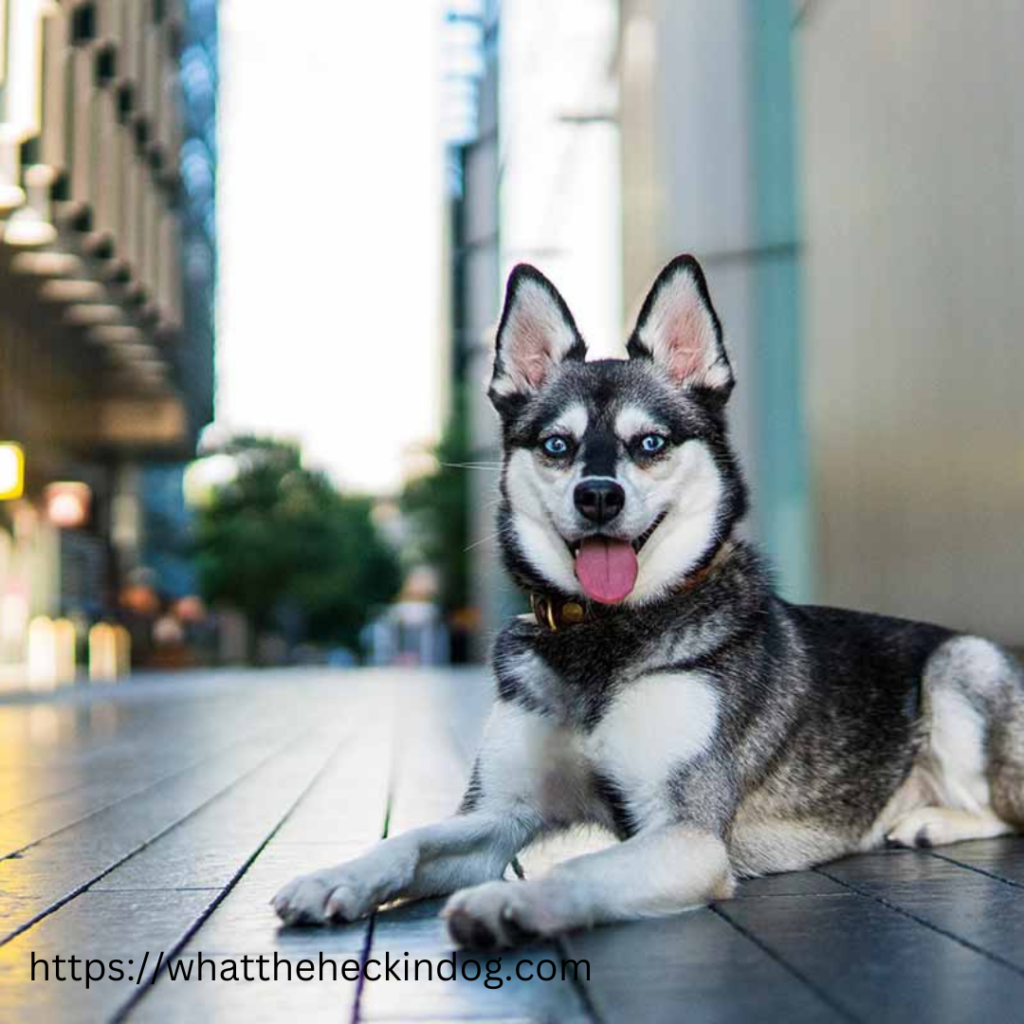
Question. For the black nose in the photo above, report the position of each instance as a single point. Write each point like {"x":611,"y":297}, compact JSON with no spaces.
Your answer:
{"x":600,"y":501}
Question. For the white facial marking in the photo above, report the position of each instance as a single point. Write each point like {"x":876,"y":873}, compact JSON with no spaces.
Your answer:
{"x":572,"y":421}
{"x":658,"y":723}
{"x":539,"y":495}
{"x":634,"y":420}
{"x":689,"y":485}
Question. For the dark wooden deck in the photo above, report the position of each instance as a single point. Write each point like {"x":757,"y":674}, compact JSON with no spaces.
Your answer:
{"x":161,"y":816}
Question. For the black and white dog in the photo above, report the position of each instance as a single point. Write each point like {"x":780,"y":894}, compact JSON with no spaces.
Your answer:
{"x":661,"y":688}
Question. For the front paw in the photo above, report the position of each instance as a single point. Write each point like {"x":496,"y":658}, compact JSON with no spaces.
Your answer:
{"x":324,"y":896}
{"x":504,"y":914}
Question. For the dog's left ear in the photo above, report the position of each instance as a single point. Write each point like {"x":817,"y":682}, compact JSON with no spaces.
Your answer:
{"x":679,"y":330}
{"x":536,"y":335}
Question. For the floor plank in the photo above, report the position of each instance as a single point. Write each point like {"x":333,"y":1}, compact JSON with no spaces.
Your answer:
{"x":327,"y":997}
{"x":1003,"y":859}
{"x":877,"y":964}
{"x":147,"y":888}
{"x":343,"y":811}
{"x":57,"y":868}
{"x":693,"y":967}
{"x":977,"y":909}
{"x":62,"y":763}
{"x":104,"y":926}
{"x":162,"y":816}
{"x":47,"y":817}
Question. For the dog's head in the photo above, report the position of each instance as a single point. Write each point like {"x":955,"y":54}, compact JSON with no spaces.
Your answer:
{"x":618,"y":481}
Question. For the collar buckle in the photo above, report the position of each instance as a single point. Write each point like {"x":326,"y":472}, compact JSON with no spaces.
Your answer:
{"x":544,"y":611}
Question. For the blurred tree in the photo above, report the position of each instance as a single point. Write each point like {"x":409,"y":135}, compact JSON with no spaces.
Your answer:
{"x":437,"y":506}
{"x":280,"y":538}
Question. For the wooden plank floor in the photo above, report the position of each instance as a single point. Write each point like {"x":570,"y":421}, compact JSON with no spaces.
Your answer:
{"x":160,"y":816}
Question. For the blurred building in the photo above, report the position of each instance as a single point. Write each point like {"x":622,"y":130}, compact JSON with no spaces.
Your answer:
{"x":470,"y":104}
{"x":913,"y":162}
{"x":709,"y":167}
{"x":166,"y":520}
{"x":537,"y":182}
{"x":850,"y":177}
{"x":104,"y":364}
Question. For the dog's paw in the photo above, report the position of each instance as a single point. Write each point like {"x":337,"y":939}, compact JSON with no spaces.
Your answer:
{"x":502,"y":914}
{"x":927,"y":827}
{"x":322,"y":897}
{"x":937,"y":826}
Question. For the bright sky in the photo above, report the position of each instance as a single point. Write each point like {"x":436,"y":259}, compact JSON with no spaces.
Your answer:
{"x":330,"y":214}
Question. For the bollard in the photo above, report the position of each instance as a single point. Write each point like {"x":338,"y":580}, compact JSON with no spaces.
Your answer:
{"x":42,"y":654}
{"x":123,"y":646}
{"x":64,"y":646}
{"x":102,"y":654}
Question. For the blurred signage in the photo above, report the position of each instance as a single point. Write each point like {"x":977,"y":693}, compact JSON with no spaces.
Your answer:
{"x":12,"y":471}
{"x":141,"y":599}
{"x":68,"y":503}
{"x":190,"y":609}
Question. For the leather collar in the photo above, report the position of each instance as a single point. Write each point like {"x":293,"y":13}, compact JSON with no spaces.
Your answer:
{"x":555,"y":613}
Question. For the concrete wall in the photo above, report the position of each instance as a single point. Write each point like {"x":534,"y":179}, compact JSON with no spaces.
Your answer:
{"x":707,"y":165}
{"x":542,"y":186}
{"x":913,"y":166}
{"x":481,"y":264}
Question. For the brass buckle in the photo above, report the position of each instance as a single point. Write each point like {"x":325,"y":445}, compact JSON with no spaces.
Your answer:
{"x":543,"y":612}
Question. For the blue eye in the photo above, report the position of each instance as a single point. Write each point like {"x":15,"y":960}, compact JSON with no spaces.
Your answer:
{"x":652,"y":443}
{"x":557,"y":446}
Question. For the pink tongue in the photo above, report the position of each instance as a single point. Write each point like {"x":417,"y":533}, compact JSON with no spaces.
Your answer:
{"x":606,"y":569}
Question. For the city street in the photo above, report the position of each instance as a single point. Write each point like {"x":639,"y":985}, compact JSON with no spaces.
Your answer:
{"x":159,"y":816}
{"x":333,"y":336}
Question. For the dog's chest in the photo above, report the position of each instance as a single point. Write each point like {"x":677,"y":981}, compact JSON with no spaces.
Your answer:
{"x":623,"y":762}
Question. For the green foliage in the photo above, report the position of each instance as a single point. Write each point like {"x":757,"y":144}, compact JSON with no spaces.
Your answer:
{"x":280,"y":538}
{"x":437,"y":505}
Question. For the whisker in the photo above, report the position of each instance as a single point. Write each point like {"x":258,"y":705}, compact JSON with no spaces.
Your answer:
{"x":489,"y":466}
{"x":483,"y":540}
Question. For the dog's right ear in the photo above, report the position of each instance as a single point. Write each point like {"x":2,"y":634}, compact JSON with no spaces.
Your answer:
{"x":536,"y":335}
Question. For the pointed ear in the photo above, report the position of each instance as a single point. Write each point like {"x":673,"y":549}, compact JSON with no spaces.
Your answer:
{"x":679,"y":330}
{"x":536,"y":334}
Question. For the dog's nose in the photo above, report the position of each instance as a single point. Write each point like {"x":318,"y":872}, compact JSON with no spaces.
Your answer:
{"x":600,"y":501}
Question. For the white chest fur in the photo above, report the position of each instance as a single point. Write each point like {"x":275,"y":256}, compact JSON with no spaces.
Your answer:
{"x":657,"y":724}
{"x":653,"y":726}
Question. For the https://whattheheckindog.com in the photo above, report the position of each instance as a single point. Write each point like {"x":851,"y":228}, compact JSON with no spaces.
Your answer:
{"x":493,"y":972}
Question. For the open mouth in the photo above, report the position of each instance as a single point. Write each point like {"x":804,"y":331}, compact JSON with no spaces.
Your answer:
{"x":607,"y":567}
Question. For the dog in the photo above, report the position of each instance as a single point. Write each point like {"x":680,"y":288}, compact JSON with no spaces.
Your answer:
{"x":661,"y":688}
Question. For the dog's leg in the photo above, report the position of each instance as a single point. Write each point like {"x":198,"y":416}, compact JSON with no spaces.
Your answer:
{"x":658,"y":872}
{"x":430,"y":861}
{"x":517,"y":770}
{"x":937,"y":826}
